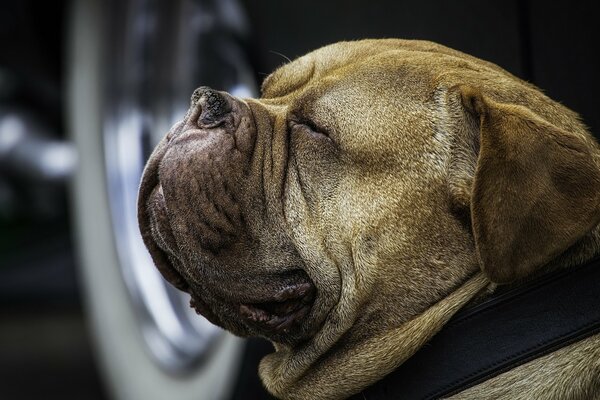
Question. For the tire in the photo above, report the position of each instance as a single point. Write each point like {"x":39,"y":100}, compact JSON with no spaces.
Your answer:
{"x":147,"y":345}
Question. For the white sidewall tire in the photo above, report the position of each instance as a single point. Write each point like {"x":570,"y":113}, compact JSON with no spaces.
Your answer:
{"x":128,"y":369}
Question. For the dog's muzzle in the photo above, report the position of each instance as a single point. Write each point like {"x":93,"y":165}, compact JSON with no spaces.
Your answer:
{"x":194,"y":201}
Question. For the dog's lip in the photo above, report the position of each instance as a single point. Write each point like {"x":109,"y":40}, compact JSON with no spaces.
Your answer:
{"x":287,"y":308}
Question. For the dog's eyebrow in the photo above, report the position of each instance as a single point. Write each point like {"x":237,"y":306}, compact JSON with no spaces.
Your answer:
{"x":288,"y":78}
{"x":264,"y":87}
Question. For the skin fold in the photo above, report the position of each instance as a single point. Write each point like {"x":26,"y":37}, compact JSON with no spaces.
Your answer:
{"x":373,"y":190}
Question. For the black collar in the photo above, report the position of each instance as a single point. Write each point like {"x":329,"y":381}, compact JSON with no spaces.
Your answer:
{"x":505,"y":331}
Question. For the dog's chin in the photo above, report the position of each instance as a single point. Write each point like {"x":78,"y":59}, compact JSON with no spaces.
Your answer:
{"x":280,"y":311}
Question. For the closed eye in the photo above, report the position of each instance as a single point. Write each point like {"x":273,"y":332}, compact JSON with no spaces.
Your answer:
{"x":307,"y":127}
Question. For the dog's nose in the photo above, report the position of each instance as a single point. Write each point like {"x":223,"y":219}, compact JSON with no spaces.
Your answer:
{"x":209,"y":107}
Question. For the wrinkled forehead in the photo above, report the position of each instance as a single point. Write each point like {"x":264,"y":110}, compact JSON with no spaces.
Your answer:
{"x":332,"y":59}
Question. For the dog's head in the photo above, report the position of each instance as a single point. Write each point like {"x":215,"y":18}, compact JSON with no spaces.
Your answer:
{"x":369,"y":181}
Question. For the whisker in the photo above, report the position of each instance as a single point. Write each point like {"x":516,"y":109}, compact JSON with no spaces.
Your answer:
{"x":281,"y":55}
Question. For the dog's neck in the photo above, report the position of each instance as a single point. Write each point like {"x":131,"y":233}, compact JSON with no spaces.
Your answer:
{"x":315,"y":373}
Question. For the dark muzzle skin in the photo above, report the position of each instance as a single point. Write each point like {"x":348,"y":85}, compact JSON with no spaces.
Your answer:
{"x":205,"y":219}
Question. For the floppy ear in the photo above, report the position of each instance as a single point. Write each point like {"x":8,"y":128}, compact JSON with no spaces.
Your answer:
{"x":535,"y":192}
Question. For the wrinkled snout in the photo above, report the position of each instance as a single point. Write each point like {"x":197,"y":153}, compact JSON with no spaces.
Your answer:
{"x":198,"y":175}
{"x":201,"y":210}
{"x":189,"y":200}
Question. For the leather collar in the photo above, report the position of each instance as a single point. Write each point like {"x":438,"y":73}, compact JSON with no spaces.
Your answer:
{"x":505,"y":331}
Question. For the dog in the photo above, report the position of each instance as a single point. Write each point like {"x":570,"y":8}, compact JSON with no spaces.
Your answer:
{"x":373,"y":190}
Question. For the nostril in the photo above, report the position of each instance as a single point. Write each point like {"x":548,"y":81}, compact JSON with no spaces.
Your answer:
{"x":214,"y":106}
{"x":197,"y":95}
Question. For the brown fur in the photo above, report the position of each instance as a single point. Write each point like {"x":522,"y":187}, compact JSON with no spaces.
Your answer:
{"x":442,"y":176}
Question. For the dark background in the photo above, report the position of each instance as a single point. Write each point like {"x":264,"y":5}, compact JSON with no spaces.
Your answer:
{"x":44,"y":345}
{"x":551,"y":44}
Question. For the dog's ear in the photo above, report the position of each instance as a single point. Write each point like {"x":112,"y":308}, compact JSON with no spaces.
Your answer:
{"x":535,"y":191}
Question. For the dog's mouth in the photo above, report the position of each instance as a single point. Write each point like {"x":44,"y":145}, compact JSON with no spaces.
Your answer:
{"x":282,"y":314}
{"x":287,"y":309}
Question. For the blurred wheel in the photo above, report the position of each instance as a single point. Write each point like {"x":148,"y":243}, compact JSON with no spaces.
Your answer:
{"x":133,"y":65}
